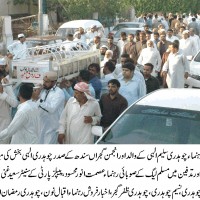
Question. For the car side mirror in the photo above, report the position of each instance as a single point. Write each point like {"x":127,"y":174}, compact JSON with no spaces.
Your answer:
{"x":97,"y":130}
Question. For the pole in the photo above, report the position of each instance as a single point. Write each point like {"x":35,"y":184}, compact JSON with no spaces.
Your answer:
{"x":40,"y":18}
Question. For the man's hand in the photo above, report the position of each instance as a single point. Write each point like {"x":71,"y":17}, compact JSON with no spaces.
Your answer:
{"x":88,"y":119}
{"x":164,"y":74}
{"x":5,"y":80}
{"x":61,"y":138}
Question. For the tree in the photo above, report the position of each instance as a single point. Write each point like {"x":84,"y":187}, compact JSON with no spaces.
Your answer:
{"x":79,"y":9}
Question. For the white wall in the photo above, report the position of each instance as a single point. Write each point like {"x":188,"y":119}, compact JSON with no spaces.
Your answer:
{"x":8,"y":8}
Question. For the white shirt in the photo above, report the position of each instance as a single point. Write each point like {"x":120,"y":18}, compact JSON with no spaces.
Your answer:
{"x":118,"y":73}
{"x":18,"y":50}
{"x":72,"y":121}
{"x":7,"y":100}
{"x":132,"y":90}
{"x":90,"y":35}
{"x":176,"y":66}
{"x":121,"y":44}
{"x":196,"y":41}
{"x":50,"y":110}
{"x":83,"y":37}
{"x":171,"y":39}
{"x":150,"y":55}
{"x":188,"y":47}
{"x":165,"y":24}
{"x":25,"y":126}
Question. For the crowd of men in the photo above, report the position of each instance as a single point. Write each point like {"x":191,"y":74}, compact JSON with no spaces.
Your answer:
{"x":138,"y":64}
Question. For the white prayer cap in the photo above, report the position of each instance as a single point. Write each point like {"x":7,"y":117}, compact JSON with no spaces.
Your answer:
{"x":52,"y":76}
{"x":21,"y":35}
{"x":104,"y":46}
{"x":2,"y":61}
{"x":185,"y":32}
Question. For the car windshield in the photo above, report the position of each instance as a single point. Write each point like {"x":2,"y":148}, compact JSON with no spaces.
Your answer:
{"x":117,"y":34}
{"x":155,"y":125}
{"x":62,"y":32}
{"x":197,"y":58}
{"x":120,"y":26}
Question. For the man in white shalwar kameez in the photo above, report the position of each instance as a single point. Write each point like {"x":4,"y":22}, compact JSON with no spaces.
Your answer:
{"x":51,"y":104}
{"x":195,"y":38}
{"x":7,"y":100}
{"x":187,"y":45}
{"x":18,"y":49}
{"x":25,"y":126}
{"x":176,"y":68}
{"x":80,"y":113}
{"x":150,"y":55}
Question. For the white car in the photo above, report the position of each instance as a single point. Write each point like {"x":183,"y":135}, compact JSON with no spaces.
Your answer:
{"x":126,"y":25}
{"x":194,"y":79}
{"x":165,"y":116}
{"x":72,"y":26}
{"x":195,"y":66}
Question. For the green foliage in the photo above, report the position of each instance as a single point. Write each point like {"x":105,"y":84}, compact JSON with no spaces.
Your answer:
{"x":180,"y":6}
{"x":77,"y":9}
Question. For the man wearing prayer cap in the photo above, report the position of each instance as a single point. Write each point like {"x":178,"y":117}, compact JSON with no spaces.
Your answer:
{"x":51,"y":101}
{"x":3,"y":66}
{"x":187,"y":45}
{"x":18,"y":49}
{"x":92,"y":33}
{"x":80,"y":113}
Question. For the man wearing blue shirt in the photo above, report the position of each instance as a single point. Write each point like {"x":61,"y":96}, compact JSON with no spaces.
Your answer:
{"x":132,"y":87}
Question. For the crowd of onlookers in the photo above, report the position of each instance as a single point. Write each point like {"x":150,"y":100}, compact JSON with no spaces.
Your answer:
{"x":137,"y":64}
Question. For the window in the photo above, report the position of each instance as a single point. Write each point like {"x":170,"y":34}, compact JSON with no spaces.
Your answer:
{"x":155,"y":125}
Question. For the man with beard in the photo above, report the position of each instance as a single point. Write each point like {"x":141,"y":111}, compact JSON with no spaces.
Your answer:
{"x":163,"y":44}
{"x":140,"y":44}
{"x":83,"y":34}
{"x":80,"y":113}
{"x":51,"y":104}
{"x":96,"y":43}
{"x":114,"y":48}
{"x":7,"y":100}
{"x":112,"y":104}
{"x":103,"y":50}
{"x":150,"y":55}
{"x":152,"y":83}
{"x":130,"y":48}
{"x":121,"y":43}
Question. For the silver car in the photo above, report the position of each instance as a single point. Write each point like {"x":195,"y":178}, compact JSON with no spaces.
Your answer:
{"x":126,"y":25}
{"x":165,"y":116}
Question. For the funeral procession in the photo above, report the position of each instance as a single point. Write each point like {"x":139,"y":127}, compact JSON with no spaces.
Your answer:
{"x":99,"y":72}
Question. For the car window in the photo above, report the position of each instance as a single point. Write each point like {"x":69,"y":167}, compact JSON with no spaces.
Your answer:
{"x":117,"y":34}
{"x":120,"y":26}
{"x":197,"y":58}
{"x":62,"y":32}
{"x":155,"y":125}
